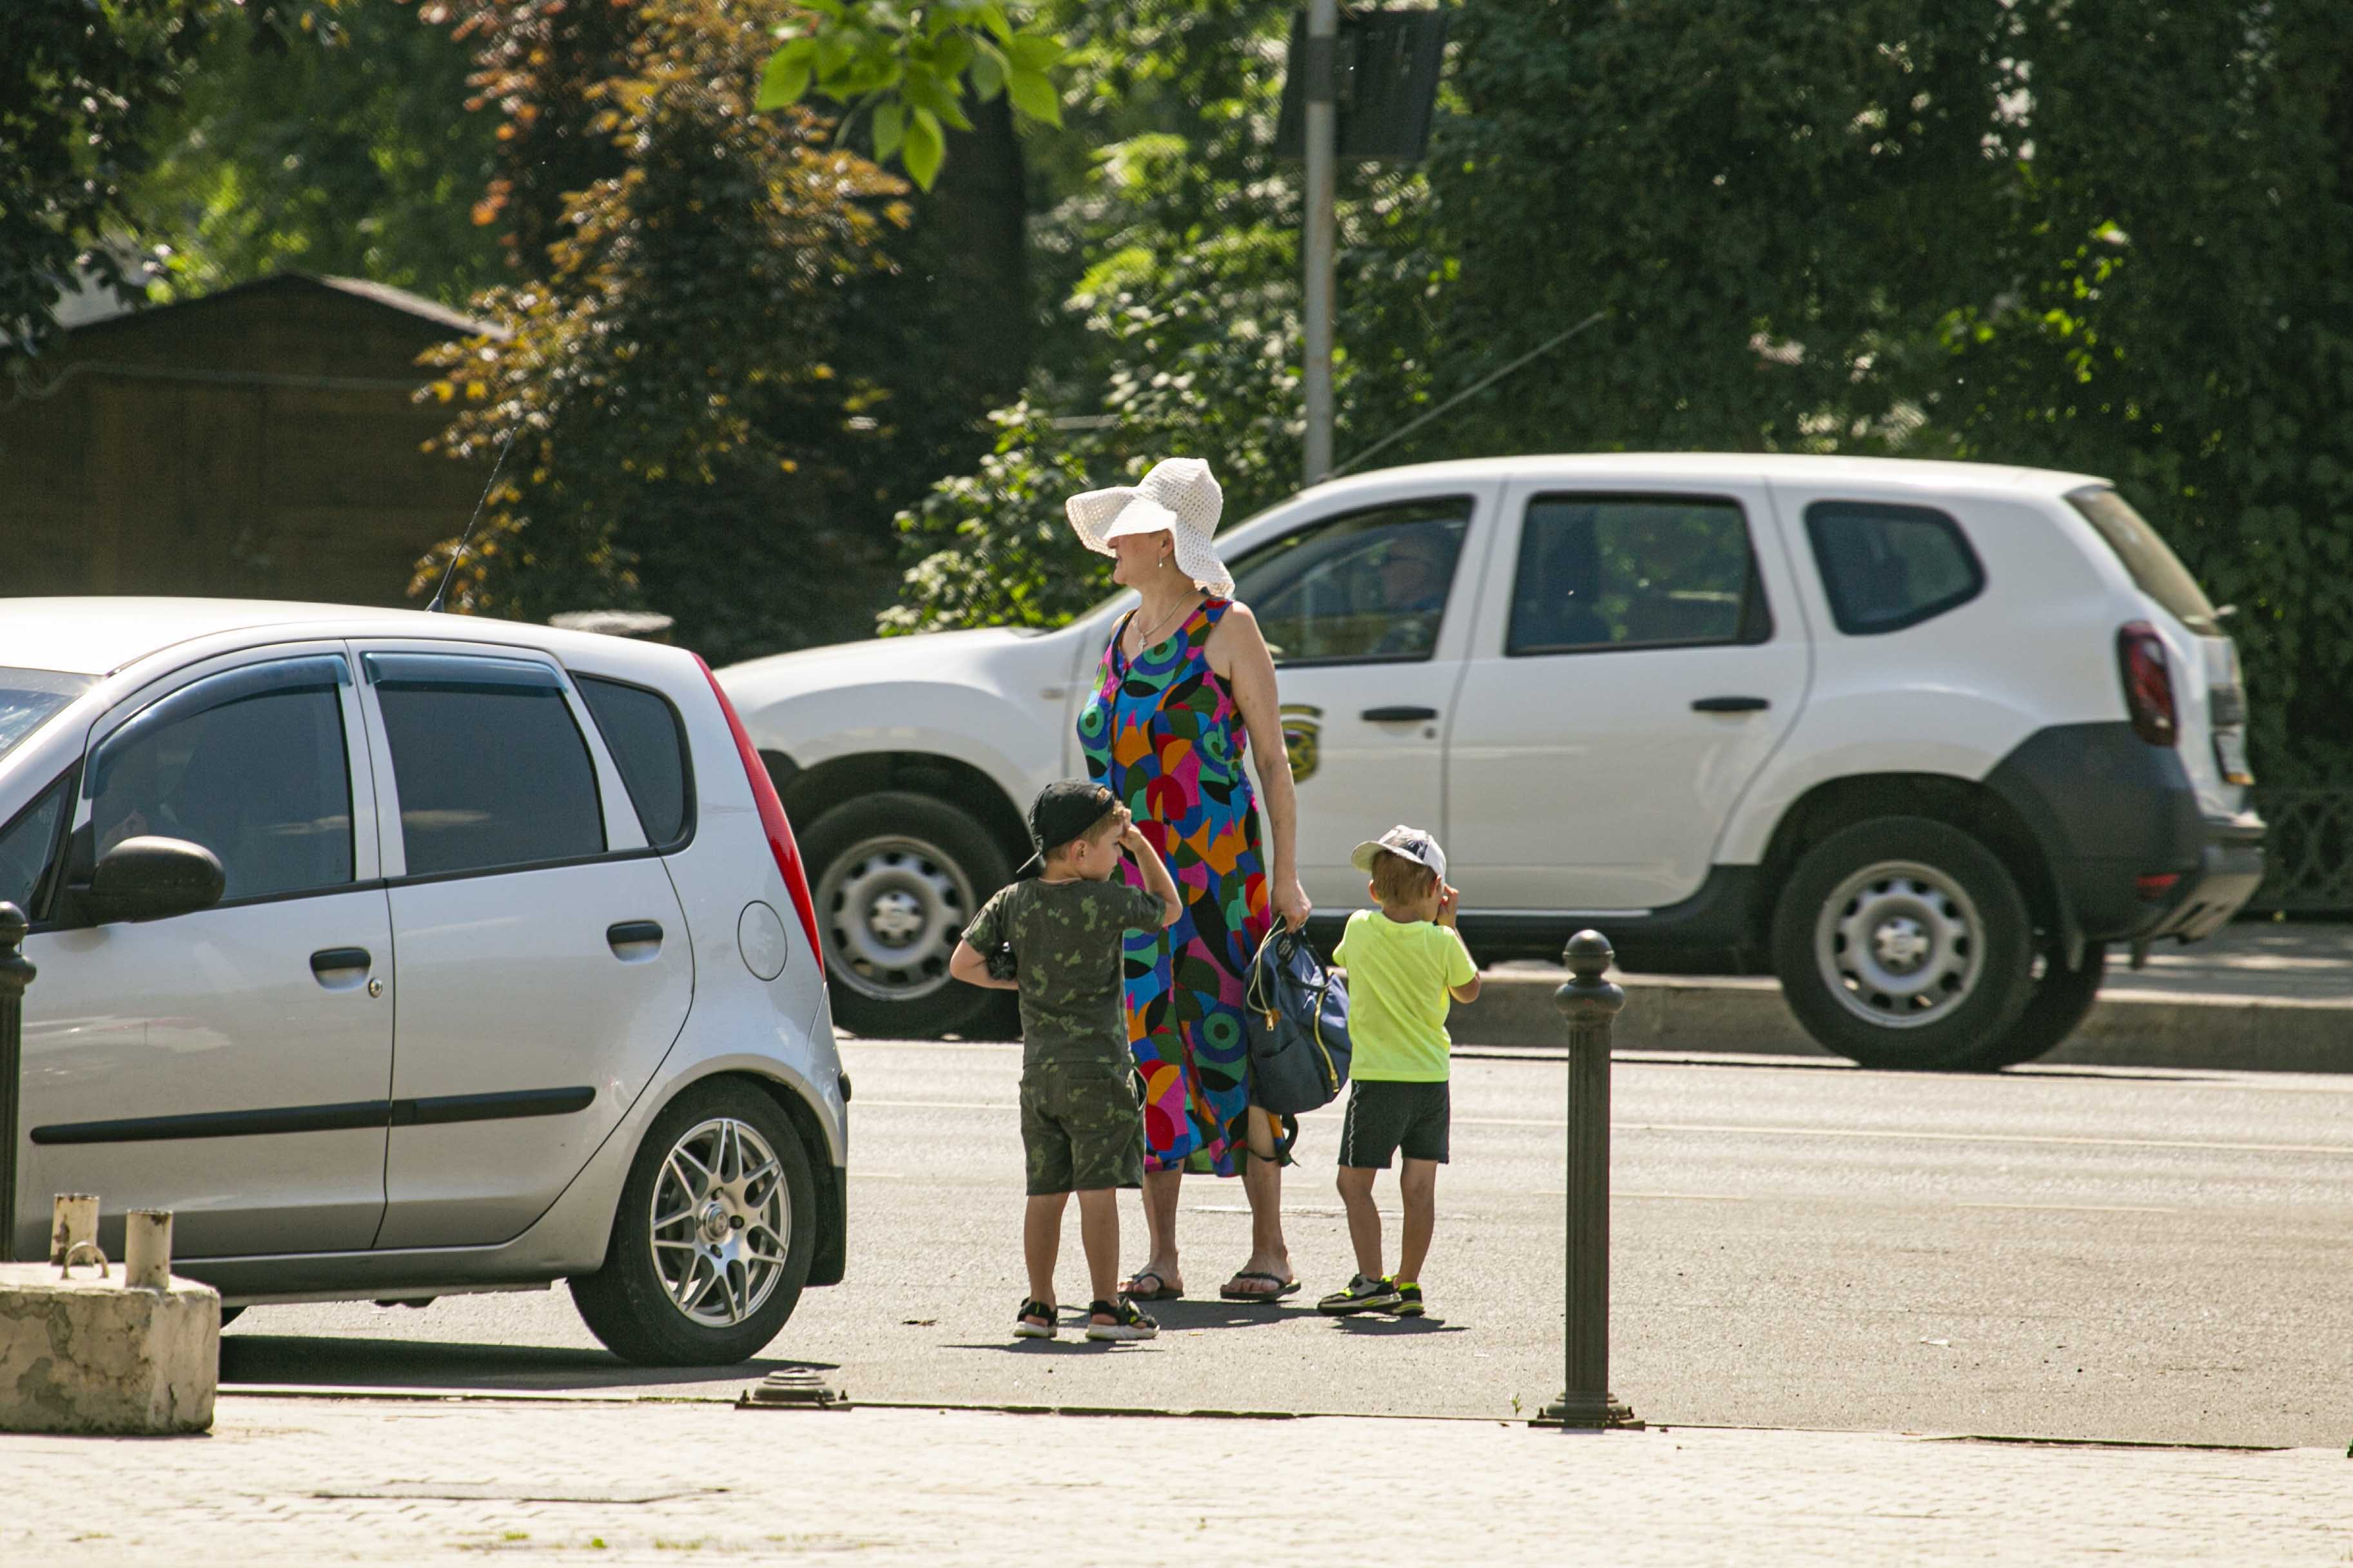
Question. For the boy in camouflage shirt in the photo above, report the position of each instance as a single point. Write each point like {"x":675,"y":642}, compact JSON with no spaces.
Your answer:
{"x":1057,"y":941}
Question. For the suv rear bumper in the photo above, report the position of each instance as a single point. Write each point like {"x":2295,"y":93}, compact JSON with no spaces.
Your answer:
{"x":2113,"y":813}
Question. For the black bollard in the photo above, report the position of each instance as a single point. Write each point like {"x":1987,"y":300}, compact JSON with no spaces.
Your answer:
{"x":15,"y":973}
{"x":1589,"y":1004}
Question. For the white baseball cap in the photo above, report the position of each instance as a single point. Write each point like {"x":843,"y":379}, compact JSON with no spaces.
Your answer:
{"x":1415,"y":844}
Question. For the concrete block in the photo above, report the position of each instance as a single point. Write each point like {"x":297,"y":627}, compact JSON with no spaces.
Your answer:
{"x":91,"y":1355}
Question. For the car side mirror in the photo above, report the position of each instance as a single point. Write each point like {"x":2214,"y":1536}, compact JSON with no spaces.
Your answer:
{"x":149,"y":879}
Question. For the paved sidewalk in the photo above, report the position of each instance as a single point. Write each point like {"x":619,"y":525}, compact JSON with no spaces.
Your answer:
{"x":2258,"y":996}
{"x":311,"y":1481}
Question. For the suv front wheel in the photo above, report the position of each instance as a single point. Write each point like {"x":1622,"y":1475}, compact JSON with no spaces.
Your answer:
{"x":1904,"y":942}
{"x":899,"y":875}
{"x":713,"y":1238}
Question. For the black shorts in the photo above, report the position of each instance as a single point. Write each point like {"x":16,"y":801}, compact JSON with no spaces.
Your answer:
{"x":1385,"y":1118}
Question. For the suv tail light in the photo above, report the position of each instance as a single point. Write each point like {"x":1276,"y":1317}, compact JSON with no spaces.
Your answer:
{"x":781,"y":843}
{"x":2149,"y":683}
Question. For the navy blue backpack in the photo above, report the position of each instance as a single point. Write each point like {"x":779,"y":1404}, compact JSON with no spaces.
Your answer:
{"x":1296,"y":1014}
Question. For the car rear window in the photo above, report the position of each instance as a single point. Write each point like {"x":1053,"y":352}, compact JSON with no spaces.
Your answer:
{"x":1886,"y":567}
{"x":28,"y":696}
{"x":648,"y":745}
{"x":492,"y":773}
{"x":2156,"y":570}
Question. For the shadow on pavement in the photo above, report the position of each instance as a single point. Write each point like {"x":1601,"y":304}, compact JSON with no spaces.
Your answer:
{"x":435,"y":1363}
{"x":1383,"y":1327}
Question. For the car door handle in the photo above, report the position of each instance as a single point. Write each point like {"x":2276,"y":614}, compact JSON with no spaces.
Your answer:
{"x":342,"y":968}
{"x":634,"y":939}
{"x":1397,"y":715}
{"x":1731,"y":705}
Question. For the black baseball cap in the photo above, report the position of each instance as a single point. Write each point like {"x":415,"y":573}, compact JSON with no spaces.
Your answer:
{"x":1064,"y":810}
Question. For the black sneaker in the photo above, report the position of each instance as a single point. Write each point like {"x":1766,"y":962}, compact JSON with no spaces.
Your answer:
{"x":1362,"y":1295}
{"x":1409,"y":1300}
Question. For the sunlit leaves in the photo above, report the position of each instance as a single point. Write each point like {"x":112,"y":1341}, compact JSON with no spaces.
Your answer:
{"x":915,"y":61}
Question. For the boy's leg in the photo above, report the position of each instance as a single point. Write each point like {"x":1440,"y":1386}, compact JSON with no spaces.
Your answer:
{"x":1099,"y":1237}
{"x":1364,"y":1218}
{"x":1419,"y":1184}
{"x":1041,"y":1242}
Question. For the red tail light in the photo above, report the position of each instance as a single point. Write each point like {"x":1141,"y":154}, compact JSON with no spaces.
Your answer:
{"x":781,"y":843}
{"x":2149,"y":683}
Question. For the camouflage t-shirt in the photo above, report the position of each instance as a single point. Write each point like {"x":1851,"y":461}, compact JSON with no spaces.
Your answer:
{"x":1066,"y":939}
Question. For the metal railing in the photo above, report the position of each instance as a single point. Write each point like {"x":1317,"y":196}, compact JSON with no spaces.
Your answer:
{"x":2309,"y":849}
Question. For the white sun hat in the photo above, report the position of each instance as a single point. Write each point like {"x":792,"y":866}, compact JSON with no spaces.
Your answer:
{"x":1178,"y":498}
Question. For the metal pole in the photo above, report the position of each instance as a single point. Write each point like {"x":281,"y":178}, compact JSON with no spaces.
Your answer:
{"x":1589,"y":1004}
{"x":1321,"y":128}
{"x":15,"y":973}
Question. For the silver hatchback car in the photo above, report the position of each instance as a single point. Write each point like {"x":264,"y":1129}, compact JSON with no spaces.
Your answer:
{"x":402,"y":954}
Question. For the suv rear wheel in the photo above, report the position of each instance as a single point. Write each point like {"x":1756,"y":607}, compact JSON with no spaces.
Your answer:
{"x":899,"y":875}
{"x":713,"y":1238}
{"x":1904,"y":942}
{"x":2063,"y":999}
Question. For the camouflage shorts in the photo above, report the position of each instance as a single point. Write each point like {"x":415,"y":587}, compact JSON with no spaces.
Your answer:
{"x":1081,"y":1129}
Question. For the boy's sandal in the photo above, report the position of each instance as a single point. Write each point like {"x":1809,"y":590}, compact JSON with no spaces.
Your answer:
{"x":1126,"y":1322}
{"x":1161,"y":1290}
{"x":1282,"y":1287}
{"x":1035,"y":1322}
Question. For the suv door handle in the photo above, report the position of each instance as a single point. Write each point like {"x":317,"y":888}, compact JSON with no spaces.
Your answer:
{"x":1397,"y":715}
{"x":625,"y":938}
{"x":342,"y":968}
{"x":1731,"y":705}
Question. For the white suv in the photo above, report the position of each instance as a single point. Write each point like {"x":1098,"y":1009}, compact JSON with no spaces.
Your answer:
{"x":1921,"y":739}
{"x":401,"y":955}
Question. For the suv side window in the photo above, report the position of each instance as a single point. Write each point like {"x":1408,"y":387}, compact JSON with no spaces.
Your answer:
{"x":647,"y":740}
{"x":492,"y":770}
{"x":1603,"y":573}
{"x":251,"y":764}
{"x":1886,"y":567}
{"x":1364,"y":587}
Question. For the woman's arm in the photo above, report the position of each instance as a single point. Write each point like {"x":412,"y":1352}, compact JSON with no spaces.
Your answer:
{"x":1237,"y":653}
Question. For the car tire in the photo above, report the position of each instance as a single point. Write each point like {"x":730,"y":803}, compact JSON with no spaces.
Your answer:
{"x":897,"y":877}
{"x":711,"y":1284}
{"x":1903,"y":942}
{"x":2062,"y":998}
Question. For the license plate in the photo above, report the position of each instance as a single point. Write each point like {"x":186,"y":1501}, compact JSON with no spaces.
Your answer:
{"x":2231,"y":756}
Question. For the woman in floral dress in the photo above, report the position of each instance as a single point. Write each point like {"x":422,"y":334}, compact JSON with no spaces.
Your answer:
{"x":1187,"y":692}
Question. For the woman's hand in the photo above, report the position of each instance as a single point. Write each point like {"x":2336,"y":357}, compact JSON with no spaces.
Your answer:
{"x":1291,"y":903}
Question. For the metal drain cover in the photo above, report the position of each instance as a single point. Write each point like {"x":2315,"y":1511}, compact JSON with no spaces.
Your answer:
{"x":795,"y":1388}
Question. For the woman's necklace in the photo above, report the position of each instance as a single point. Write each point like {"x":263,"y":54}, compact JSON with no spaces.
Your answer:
{"x":1166,"y":627}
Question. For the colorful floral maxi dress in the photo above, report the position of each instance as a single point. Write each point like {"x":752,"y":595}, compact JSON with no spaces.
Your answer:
{"x":1163,"y":734}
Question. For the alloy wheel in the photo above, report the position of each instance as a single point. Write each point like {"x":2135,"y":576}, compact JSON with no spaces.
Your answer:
{"x":722,"y":1222}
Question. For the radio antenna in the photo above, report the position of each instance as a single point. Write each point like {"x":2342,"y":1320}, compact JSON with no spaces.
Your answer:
{"x":434,"y":607}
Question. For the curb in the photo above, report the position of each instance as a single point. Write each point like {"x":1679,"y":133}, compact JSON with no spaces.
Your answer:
{"x":1747,"y":1016}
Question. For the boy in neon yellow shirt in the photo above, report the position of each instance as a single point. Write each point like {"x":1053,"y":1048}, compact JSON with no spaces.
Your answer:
{"x":1405,"y":962}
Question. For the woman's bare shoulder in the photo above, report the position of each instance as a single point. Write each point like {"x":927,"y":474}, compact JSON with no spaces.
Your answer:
{"x":1236,"y":633}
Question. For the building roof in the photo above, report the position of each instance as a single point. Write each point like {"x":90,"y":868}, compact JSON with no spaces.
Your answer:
{"x":380,"y":294}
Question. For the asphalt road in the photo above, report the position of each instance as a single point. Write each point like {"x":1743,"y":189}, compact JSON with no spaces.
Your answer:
{"x":2072,"y":1253}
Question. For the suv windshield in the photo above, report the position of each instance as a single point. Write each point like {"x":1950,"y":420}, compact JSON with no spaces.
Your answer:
{"x":28,"y":696}
{"x":2155,"y":568}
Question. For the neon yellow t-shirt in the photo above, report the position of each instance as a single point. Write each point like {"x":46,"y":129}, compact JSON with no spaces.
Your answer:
{"x":1398,"y":974}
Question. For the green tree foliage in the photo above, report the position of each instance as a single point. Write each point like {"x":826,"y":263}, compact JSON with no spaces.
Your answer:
{"x":679,"y":431}
{"x":338,"y":146}
{"x":910,"y":66}
{"x":1170,"y":249}
{"x":78,"y":82}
